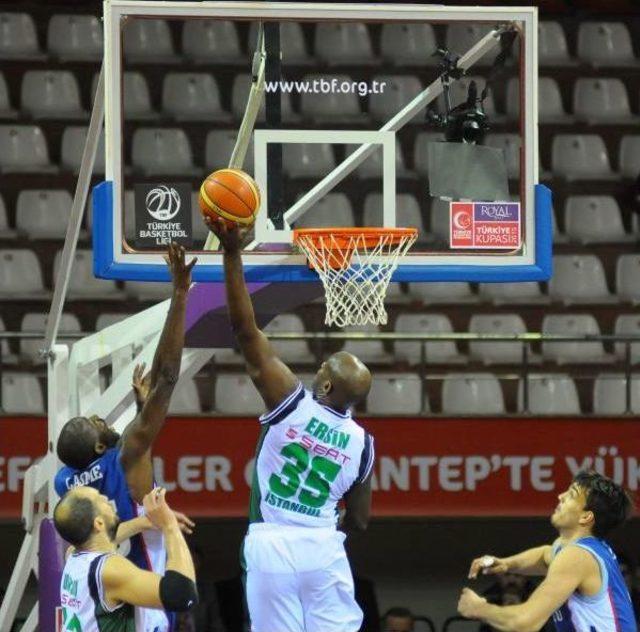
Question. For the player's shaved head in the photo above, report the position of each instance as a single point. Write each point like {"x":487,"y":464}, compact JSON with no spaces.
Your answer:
{"x":343,"y":380}
{"x":74,"y":515}
{"x":83,"y":439}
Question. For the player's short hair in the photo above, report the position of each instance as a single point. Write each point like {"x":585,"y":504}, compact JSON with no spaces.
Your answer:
{"x":76,"y":443}
{"x":610,"y":503}
{"x":73,"y":517}
{"x":398,"y":612}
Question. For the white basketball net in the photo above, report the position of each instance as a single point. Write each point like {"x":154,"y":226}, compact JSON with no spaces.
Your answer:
{"x":355,"y":275}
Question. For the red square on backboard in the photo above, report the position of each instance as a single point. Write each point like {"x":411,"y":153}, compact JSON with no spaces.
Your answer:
{"x":461,"y":224}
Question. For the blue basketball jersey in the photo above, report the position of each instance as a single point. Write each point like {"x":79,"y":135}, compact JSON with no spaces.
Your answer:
{"x":610,"y":610}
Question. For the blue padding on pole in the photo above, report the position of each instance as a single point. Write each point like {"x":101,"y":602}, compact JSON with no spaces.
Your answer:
{"x":105,"y":266}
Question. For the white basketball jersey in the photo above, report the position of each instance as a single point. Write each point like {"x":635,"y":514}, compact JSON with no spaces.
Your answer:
{"x":308,"y":457}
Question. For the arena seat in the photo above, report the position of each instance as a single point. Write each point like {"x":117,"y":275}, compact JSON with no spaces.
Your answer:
{"x":307,"y":160}
{"x":605,"y":44}
{"x":192,"y":96}
{"x":236,"y":395}
{"x":550,"y":107}
{"x":294,"y":50}
{"x":441,"y":292}
{"x":368,"y":350}
{"x":512,"y":293}
{"x":511,"y":145}
{"x":580,"y":157}
{"x":334,"y":209}
{"x":43,"y":213}
{"x":628,"y":278}
{"x":343,"y":43}
{"x":601,"y":100}
{"x":18,"y":37}
{"x":219,"y":147}
{"x":211,"y":42}
{"x":550,"y":394}
{"x":436,"y":352}
{"x":162,"y":151}
{"x":20,"y":274}
{"x":135,"y":96}
{"x":572,"y":325}
{"x":82,"y":283}
{"x":148,"y":290}
{"x":439,"y":222}
{"x":240,"y":94}
{"x":36,"y":322}
{"x":408,"y":45}
{"x":610,"y":394}
{"x":6,"y":355}
{"x":552,"y":44}
{"x":185,"y":399}
{"x":472,"y":394}
{"x":396,"y":394}
{"x":461,"y":37}
{"x":6,"y":111}
{"x":394,"y":95}
{"x":294,"y":351}
{"x":629,"y":157}
{"x":75,"y":37}
{"x":333,"y":106}
{"x":148,"y":41}
{"x":21,"y":394}
{"x":5,"y":231}
{"x":372,"y":166}
{"x":106,"y":319}
{"x":627,"y":324}
{"x":497,"y":352}
{"x":51,"y":94}
{"x":407,"y":211}
{"x":592,"y":219}
{"x":23,"y":149}
{"x":73,"y":142}
{"x":578,"y":278}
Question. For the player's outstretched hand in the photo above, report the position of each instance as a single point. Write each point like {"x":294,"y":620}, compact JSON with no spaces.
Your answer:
{"x":157,"y":509}
{"x":184,"y":522}
{"x":470,"y":603}
{"x":231,"y":237}
{"x":487,"y":565}
{"x":180,"y":271}
{"x":141,"y":384}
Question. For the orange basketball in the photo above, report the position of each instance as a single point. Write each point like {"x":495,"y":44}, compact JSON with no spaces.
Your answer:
{"x":230,"y":194}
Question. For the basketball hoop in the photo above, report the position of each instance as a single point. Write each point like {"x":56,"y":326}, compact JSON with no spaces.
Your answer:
{"x":355,"y":266}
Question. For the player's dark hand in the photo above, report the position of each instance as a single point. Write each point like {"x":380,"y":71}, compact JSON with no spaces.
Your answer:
{"x":232,"y":237}
{"x":141,"y":384}
{"x":180,"y":271}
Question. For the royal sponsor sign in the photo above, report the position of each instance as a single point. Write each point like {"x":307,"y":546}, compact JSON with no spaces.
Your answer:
{"x":484,"y":225}
{"x":424,"y":467}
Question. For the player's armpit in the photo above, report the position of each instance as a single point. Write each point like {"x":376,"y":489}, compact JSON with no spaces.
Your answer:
{"x":124,"y":582}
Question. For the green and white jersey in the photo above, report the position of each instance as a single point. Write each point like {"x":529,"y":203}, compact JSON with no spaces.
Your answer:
{"x":308,"y":457}
{"x":82,"y":598}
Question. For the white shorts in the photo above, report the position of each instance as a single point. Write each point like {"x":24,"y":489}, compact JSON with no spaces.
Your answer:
{"x":299,"y":580}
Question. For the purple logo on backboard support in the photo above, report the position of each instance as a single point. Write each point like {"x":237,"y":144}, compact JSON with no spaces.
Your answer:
{"x":497,"y":211}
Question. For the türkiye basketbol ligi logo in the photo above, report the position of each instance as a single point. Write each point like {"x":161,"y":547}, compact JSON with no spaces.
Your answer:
{"x":163,"y":203}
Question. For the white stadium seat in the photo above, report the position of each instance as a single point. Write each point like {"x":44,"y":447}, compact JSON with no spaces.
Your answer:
{"x":442,"y":292}
{"x":148,"y":40}
{"x":236,"y":395}
{"x":552,"y":44}
{"x":629,"y":159}
{"x":185,"y":399}
{"x":600,"y":100}
{"x":21,"y":394}
{"x":580,"y":157}
{"x":396,"y":91}
{"x":628,"y":324}
{"x":444,"y":351}
{"x":550,"y":107}
{"x":82,"y":282}
{"x":211,"y":41}
{"x":292,"y":43}
{"x":6,"y":111}
{"x":463,"y":36}
{"x":37,"y":323}
{"x":136,"y":98}
{"x":605,"y":44}
{"x":333,"y":105}
{"x":550,"y":394}
{"x":372,"y":166}
{"x":396,"y":394}
{"x":368,"y":350}
{"x":498,"y":324}
{"x":23,"y":148}
{"x":578,"y":278}
{"x":5,"y":231}
{"x":192,"y":96}
{"x":610,"y":394}
{"x":407,"y":211}
{"x":340,"y":43}
{"x":75,"y":37}
{"x":512,"y":293}
{"x":592,"y":219}
{"x":240,"y":96}
{"x":628,"y":278}
{"x":577,"y":325}
{"x":162,"y":151}
{"x":73,"y":142}
{"x":106,"y":319}
{"x":148,"y":290}
{"x":409,"y":44}
{"x":472,"y":394}
{"x":43,"y":213}
{"x":219,"y":147}
{"x":51,"y":94}
{"x":18,"y":37}
{"x":289,"y":350}
{"x":334,"y":209}
{"x":6,"y":355}
{"x":20,"y":274}
{"x":307,"y":160}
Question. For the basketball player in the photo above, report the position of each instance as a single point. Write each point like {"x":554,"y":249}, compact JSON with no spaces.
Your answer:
{"x":583,"y":589}
{"x":310,"y":455}
{"x":121,"y":468}
{"x":100,"y":588}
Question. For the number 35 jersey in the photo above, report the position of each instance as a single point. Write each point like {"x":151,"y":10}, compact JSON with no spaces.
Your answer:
{"x":308,"y":457}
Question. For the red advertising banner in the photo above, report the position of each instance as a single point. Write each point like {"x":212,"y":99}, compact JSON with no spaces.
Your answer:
{"x":424,"y":467}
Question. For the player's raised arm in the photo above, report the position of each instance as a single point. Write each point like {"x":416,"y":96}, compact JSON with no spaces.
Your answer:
{"x":272,"y":377}
{"x":532,"y":562}
{"x":165,"y":371}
